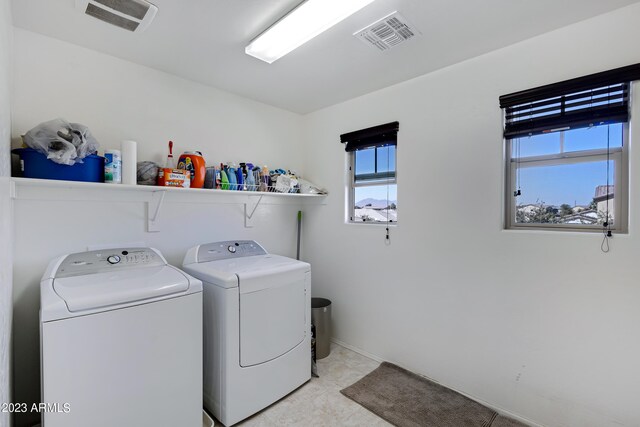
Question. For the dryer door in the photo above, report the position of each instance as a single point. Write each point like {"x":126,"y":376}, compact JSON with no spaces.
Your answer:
{"x":272,"y":314}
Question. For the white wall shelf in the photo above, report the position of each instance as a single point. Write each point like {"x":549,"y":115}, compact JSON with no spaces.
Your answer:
{"x":153,"y":196}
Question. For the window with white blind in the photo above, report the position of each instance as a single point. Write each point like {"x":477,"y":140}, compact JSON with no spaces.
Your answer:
{"x":566,"y":150}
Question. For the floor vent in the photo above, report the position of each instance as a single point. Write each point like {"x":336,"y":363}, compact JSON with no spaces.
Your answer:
{"x":132,"y":15}
{"x":387,"y":32}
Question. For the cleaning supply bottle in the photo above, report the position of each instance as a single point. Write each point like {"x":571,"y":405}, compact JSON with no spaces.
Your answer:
{"x":265,"y":177}
{"x":218,"y":179}
{"x":170,"y":163}
{"x":256,"y":177}
{"x":245,"y":173}
{"x":250,"y":181}
{"x":224,"y":178}
{"x":240,"y":179}
{"x":231,"y":174}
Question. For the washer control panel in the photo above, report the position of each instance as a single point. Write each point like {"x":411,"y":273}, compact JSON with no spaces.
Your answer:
{"x":107,"y":260}
{"x":229,"y":249}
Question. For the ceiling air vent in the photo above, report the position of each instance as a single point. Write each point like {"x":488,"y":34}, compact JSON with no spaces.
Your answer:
{"x":387,"y":32}
{"x":132,"y":15}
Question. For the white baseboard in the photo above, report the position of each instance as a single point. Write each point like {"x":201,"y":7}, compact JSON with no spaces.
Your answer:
{"x":357,"y":350}
{"x":487,"y":404}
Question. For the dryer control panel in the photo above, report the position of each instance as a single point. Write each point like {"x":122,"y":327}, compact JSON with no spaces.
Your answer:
{"x":107,"y":260}
{"x":229,"y":249}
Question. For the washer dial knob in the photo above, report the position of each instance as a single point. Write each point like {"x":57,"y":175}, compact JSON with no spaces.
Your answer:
{"x":232,"y":249}
{"x":113,"y":259}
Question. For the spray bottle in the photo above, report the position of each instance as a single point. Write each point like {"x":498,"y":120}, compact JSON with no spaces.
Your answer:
{"x":240,"y":178}
{"x":224,"y":178}
{"x":250,"y":180}
{"x":231,"y":174}
{"x":170,"y":163}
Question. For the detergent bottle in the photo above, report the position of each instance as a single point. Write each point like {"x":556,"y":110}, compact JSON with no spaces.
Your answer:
{"x":193,"y":162}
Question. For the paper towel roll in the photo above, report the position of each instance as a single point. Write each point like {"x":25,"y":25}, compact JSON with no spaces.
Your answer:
{"x":129,"y":162}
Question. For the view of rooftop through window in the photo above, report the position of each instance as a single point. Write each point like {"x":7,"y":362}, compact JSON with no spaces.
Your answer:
{"x":372,"y":204}
{"x":567,"y":192}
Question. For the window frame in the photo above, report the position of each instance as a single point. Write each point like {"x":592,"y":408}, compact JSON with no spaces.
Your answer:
{"x":620,"y":158}
{"x":352,"y":184}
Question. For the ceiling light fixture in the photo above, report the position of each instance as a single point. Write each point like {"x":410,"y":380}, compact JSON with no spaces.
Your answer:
{"x":303,"y":23}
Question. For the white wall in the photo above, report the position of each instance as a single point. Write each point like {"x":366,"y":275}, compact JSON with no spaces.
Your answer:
{"x":5,"y":209}
{"x":120,"y":100}
{"x":541,"y":324}
{"x":6,"y":47}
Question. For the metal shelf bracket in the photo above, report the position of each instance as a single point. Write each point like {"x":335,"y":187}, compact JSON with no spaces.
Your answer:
{"x":248,"y":216}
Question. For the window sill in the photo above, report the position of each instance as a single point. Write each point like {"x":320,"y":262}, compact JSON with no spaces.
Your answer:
{"x":374,"y":224}
{"x":563,"y":230}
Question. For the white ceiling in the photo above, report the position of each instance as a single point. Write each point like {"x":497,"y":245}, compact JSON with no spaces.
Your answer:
{"x":204,"y":40}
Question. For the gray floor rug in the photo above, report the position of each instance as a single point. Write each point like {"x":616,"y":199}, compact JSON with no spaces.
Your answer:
{"x":408,"y":400}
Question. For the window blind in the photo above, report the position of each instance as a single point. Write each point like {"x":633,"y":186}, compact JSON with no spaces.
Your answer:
{"x":601,"y":98}
{"x":386,"y":134}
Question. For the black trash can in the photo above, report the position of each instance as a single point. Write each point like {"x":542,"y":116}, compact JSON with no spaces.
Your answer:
{"x":321,"y":318}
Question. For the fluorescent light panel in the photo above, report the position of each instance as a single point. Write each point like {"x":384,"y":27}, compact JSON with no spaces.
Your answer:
{"x":306,"y":21}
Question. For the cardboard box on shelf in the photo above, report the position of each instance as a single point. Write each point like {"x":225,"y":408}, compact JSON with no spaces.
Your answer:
{"x":168,"y":177}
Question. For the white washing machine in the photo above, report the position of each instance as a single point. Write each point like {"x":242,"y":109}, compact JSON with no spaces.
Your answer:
{"x":257,"y":310}
{"x":121,"y":341}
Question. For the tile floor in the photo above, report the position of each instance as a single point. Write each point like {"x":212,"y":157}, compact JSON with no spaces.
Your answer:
{"x":319,"y":402}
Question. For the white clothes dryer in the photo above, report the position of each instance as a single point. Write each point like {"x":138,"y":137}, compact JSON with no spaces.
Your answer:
{"x":257,"y":311}
{"x":121,"y":341}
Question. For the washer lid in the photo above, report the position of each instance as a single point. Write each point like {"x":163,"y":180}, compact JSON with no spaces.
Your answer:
{"x":119,"y":287}
{"x":228,"y":273}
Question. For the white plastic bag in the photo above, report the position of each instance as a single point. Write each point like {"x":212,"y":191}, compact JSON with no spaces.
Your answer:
{"x":62,"y":142}
{"x":308,"y":188}
{"x":286,"y":183}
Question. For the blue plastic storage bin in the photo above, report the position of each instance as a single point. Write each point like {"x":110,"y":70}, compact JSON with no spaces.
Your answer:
{"x":36,"y":165}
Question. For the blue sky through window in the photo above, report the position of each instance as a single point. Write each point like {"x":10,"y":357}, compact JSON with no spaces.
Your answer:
{"x":573,"y":184}
{"x":366,"y":160}
{"x":386,"y":158}
{"x":575,"y":140}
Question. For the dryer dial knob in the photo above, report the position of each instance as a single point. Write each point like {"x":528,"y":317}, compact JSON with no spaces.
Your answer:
{"x":232,"y":249}
{"x":113,"y":259}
